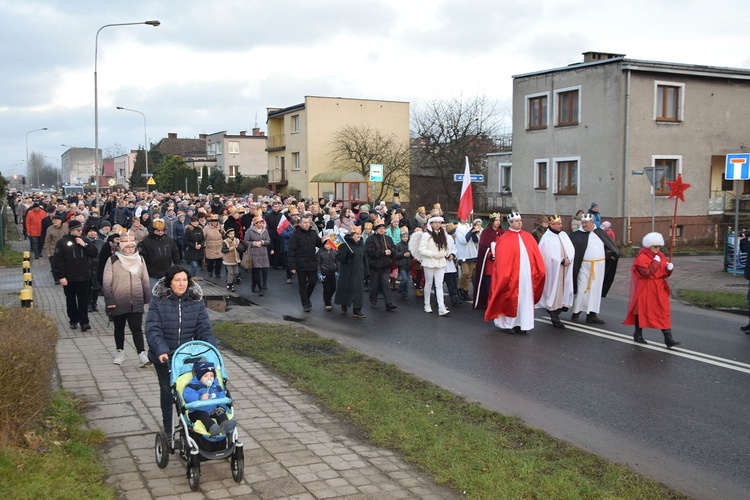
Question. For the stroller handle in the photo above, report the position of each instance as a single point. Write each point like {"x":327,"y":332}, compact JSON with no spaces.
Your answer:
{"x":208,"y":402}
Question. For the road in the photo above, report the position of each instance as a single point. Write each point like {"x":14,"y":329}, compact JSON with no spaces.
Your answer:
{"x":678,"y":416}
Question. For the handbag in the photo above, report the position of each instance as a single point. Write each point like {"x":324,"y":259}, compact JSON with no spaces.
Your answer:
{"x":247,"y":260}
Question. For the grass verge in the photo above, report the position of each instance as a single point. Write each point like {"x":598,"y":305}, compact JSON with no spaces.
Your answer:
{"x":714,"y":300}
{"x":480,"y":453}
{"x":11,"y":257}
{"x":59,"y":458}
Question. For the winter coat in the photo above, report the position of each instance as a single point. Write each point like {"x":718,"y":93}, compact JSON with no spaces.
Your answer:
{"x":121,"y":289}
{"x":272,"y":222}
{"x":140,"y":233}
{"x":34,"y":221}
{"x":302,"y":247}
{"x":376,"y":246}
{"x":72,"y":261}
{"x":352,"y":257}
{"x":194,"y":236}
{"x":160,"y":253}
{"x":285,"y":236}
{"x":230,"y":251}
{"x":258,"y":254}
{"x":52,"y":237}
{"x":327,"y":263}
{"x":403,"y":262}
{"x":432,"y":256}
{"x":178,"y":232}
{"x":194,"y":390}
{"x":171,"y":320}
{"x":119,"y":216}
{"x":214,"y":237}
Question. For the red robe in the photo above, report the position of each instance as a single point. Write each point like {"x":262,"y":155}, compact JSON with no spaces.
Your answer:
{"x":503,"y":298}
{"x":649,"y":292}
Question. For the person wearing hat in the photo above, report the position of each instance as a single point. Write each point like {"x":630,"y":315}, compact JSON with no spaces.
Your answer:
{"x":159,"y":251}
{"x":420,"y":219}
{"x":467,"y":244}
{"x":56,"y":231}
{"x":594,"y":268}
{"x":91,"y":236}
{"x":231,"y":248}
{"x":70,"y":266}
{"x":214,"y":236}
{"x":648,"y":305}
{"x":486,"y":260}
{"x":434,"y":250}
{"x":178,"y":231}
{"x":273,"y":218}
{"x":105,"y":228}
{"x":517,"y":279}
{"x":33,"y":226}
{"x":127,"y":290}
{"x":450,"y":277}
{"x":542,"y":223}
{"x":257,"y":241}
{"x":328,"y":267}
{"x":138,"y":230}
{"x":558,"y":254}
{"x":195,"y":245}
{"x":403,"y":259}
{"x":204,"y":386}
{"x":594,"y":211}
{"x":380,"y":249}
{"x":303,"y":245}
{"x":352,"y":258}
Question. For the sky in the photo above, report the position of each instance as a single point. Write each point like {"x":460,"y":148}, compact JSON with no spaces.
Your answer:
{"x":216,"y":66}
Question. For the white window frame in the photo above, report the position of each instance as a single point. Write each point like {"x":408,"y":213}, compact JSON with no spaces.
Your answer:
{"x":295,"y":161}
{"x":295,"y":124}
{"x":537,"y":161}
{"x":527,"y":118}
{"x":219,"y":148}
{"x":501,"y":174}
{"x":233,"y":147}
{"x":680,"y":112}
{"x":667,"y":157}
{"x":557,"y":105}
{"x":561,"y":159}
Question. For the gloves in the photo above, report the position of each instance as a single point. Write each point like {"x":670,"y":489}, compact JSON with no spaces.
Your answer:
{"x":670,"y":266}
{"x":492,"y":249}
{"x":657,"y":258}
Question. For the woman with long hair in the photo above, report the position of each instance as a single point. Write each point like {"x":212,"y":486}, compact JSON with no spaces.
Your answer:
{"x":434,"y":250}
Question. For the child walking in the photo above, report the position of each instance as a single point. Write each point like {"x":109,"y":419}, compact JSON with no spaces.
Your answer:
{"x":328,"y":267}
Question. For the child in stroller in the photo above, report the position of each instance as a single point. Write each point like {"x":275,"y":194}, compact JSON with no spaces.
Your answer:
{"x":204,"y":386}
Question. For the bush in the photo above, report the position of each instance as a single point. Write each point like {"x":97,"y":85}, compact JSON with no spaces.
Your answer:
{"x":27,"y":340}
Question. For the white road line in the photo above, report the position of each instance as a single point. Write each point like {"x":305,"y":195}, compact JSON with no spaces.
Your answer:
{"x":675,"y":351}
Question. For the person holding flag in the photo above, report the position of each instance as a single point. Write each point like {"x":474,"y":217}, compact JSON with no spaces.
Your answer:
{"x":274,"y":221}
{"x":352,"y":259}
{"x":466,"y":202}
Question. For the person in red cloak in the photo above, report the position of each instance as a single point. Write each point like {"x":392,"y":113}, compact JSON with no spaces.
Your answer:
{"x":517,"y":279}
{"x":649,"y":292}
{"x":485,"y":260}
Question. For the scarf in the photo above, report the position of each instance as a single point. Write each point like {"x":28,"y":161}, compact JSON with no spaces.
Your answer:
{"x":422,"y":221}
{"x":131,"y":263}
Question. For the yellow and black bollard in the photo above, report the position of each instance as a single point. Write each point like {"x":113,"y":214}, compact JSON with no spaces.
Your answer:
{"x":27,"y":256}
{"x":27,"y":297}
{"x":27,"y":280}
{"x":26,"y":267}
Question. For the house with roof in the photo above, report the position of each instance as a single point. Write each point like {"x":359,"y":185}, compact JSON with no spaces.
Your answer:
{"x":238,"y":153}
{"x":588,"y":132}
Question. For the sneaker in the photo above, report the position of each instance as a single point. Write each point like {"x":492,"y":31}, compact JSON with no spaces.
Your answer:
{"x":428,"y":309}
{"x":227,"y":426}
{"x":214,"y":430}
{"x":85,"y":327}
{"x":289,"y":281}
{"x":358,"y":314}
{"x":307,"y":309}
{"x":143,"y":359}
{"x":329,"y":308}
{"x":443,"y":311}
{"x":390,"y":307}
{"x":74,"y":325}
{"x":119,"y":357}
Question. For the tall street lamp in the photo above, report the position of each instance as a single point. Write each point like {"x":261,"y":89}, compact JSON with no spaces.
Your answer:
{"x":145,"y":137}
{"x":27,"y":154}
{"x":96,"y":97}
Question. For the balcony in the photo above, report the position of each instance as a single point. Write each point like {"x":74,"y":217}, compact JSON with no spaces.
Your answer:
{"x":278,"y":176}
{"x":276,"y":142}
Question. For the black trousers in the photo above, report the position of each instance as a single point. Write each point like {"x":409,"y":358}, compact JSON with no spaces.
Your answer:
{"x":214,"y":266}
{"x":165,"y":395}
{"x":306,"y":281}
{"x":77,"y":302}
{"x":329,"y":287}
{"x":379,"y":282}
{"x":135,"y":322}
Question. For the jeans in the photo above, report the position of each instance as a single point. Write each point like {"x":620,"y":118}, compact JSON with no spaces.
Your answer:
{"x":403,"y":287}
{"x":195,"y":266}
{"x":34,"y":246}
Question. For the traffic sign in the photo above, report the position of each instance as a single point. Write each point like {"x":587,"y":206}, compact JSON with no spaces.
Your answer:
{"x":474,"y":177}
{"x":147,"y":175}
{"x":737,"y":167}
{"x":111,"y":182}
{"x":376,"y":172}
{"x":151,"y":182}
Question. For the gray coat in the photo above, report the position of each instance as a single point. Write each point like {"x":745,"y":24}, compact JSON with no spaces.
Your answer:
{"x":259,"y":254}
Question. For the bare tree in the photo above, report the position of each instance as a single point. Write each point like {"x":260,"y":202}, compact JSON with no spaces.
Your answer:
{"x":444,"y":132}
{"x":355,"y":148}
{"x":115,"y":150}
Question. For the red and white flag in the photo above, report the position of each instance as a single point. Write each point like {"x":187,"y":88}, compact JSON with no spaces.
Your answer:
{"x":466,"y":204}
{"x":283,"y":224}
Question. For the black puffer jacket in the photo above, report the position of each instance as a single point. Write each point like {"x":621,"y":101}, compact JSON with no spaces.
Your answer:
{"x":171,"y":320}
{"x":160,"y":252}
{"x":301,"y":251}
{"x":376,"y":245}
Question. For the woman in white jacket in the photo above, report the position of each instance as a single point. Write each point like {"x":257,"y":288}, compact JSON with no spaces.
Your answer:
{"x":434,"y":249}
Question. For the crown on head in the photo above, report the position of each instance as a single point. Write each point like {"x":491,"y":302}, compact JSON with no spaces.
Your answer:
{"x":513,"y":215}
{"x":587,"y":217}
{"x":496,"y":215}
{"x":554,"y":219}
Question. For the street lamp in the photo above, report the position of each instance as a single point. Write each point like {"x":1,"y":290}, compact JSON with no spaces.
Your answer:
{"x":27,"y":153}
{"x":145,"y":137}
{"x":96,"y":97}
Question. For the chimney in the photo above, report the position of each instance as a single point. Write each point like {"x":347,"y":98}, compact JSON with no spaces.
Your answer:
{"x":243,"y":133}
{"x":256,"y":131}
{"x":201,"y":136}
{"x":172,"y":135}
{"x":599,"y":56}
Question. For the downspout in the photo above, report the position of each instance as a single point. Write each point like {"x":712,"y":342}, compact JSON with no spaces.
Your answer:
{"x":625,"y":217}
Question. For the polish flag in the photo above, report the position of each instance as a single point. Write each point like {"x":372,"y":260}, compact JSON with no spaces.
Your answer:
{"x":466,"y":204}
{"x":283,"y":224}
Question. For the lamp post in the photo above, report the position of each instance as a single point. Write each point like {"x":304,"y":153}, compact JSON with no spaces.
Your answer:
{"x":27,"y":154}
{"x":96,"y":96}
{"x":145,"y":138}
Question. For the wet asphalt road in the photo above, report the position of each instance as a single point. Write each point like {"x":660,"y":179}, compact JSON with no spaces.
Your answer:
{"x":676,"y":416}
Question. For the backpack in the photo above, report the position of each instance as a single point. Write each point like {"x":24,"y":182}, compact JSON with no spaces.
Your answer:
{"x":414,"y":242}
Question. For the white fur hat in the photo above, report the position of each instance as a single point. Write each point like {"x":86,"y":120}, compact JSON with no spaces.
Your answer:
{"x":653,"y":239}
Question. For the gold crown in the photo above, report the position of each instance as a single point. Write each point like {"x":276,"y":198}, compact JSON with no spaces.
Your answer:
{"x":554,"y":219}
{"x":496,"y":215}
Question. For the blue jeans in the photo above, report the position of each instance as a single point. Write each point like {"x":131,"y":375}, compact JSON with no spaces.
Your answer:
{"x":403,"y":287}
{"x":195,"y":266}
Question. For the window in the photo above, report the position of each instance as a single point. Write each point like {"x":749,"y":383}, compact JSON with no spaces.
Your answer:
{"x":234,"y":170}
{"x":504,"y":177}
{"x":233,"y":147}
{"x":540,"y":174}
{"x":566,"y":174}
{"x":536,"y":110}
{"x":219,"y":148}
{"x":672,"y":164}
{"x":568,"y":106}
{"x":295,"y":161}
{"x":295,"y":123}
{"x":669,"y":101}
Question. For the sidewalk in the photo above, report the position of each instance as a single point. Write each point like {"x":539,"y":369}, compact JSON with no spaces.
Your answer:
{"x":292,"y":448}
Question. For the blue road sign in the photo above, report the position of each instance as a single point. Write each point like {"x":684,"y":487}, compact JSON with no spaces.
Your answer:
{"x":474,"y":177}
{"x":737,"y":167}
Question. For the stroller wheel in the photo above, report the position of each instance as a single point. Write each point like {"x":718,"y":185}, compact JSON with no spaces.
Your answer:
{"x":194,"y":475}
{"x":161,"y":449}
{"x":238,"y":466}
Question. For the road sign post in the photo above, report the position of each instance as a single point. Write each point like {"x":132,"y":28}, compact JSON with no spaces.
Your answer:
{"x":737,"y":168}
{"x":655,"y":175}
{"x":376,"y":175}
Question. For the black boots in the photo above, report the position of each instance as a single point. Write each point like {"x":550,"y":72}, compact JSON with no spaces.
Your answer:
{"x":555,"y":317}
{"x":638,"y":336}
{"x":746,"y":328}
{"x":592,"y":318}
{"x":668,"y":338}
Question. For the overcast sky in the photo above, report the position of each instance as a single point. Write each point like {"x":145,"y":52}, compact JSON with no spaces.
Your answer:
{"x":217,"y":65}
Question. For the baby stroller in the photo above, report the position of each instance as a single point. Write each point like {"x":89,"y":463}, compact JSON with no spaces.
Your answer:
{"x":192,"y":440}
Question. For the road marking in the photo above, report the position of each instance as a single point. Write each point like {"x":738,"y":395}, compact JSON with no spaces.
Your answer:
{"x":675,"y":351}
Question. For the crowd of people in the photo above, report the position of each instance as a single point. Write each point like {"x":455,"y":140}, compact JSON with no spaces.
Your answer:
{"x":125,"y":246}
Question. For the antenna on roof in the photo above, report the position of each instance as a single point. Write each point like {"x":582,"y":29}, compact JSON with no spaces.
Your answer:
{"x":256,"y":119}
